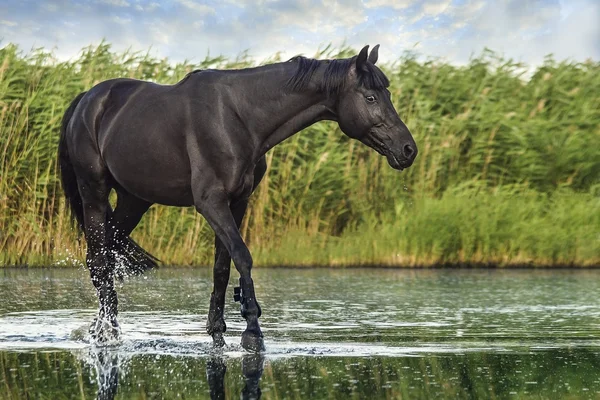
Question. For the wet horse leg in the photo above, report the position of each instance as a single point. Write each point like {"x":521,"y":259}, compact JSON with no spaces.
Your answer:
{"x":213,"y":205}
{"x":94,"y":193}
{"x":215,"y":325}
{"x":126,"y":216}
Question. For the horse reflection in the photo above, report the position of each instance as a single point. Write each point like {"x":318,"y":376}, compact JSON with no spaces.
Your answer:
{"x":252,"y":369}
{"x":106,"y":363}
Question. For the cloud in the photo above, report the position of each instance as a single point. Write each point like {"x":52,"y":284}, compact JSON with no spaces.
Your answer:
{"x":527,"y":30}
{"x":435,"y":7}
{"x":462,"y":13}
{"x":187,"y":29}
{"x":120,"y":20}
{"x":396,"y":4}
{"x":147,"y":7}
{"x":50,"y":7}
{"x":6,"y":22}
{"x":199,"y":8}
{"x":115,"y":3}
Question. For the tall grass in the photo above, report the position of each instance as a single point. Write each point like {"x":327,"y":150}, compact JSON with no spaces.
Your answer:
{"x":508,"y":170}
{"x":506,"y":226}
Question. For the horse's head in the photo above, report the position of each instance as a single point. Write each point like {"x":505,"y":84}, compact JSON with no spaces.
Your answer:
{"x":365,"y":112}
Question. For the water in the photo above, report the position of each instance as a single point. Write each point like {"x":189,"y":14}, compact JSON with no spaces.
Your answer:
{"x":353,"y":333}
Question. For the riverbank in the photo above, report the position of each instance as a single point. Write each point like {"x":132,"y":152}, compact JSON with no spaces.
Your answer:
{"x":503,"y":228}
{"x":463,"y":228}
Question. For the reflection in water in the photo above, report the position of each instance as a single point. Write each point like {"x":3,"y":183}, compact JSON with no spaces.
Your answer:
{"x":400,"y":334}
{"x":545,"y":373}
{"x":252,"y":368}
{"x":215,"y":374}
{"x":105,"y":361}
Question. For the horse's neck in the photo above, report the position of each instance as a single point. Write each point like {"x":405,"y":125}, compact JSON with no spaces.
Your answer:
{"x":287,"y":112}
{"x":291,"y":119}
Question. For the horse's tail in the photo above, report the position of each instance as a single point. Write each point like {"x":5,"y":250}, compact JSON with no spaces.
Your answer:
{"x":131,"y":259}
{"x":68,"y":178}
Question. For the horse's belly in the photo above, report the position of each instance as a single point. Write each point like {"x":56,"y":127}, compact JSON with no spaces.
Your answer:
{"x":155,"y":174}
{"x":169,"y":193}
{"x":157,"y":184}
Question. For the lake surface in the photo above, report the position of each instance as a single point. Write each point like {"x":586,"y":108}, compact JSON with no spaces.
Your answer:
{"x":356,"y":333}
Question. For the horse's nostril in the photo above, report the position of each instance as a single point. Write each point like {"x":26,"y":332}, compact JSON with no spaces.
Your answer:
{"x":408,"y":151}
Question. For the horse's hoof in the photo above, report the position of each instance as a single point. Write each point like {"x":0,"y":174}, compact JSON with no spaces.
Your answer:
{"x":253,"y":342}
{"x":105,"y":332}
{"x":218,"y":340}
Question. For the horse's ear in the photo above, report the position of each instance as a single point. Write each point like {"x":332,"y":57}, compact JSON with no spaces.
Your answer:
{"x":374,"y":54}
{"x":361,"y":59}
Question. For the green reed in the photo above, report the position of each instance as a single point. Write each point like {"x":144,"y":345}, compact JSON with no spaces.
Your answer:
{"x":508,"y":170}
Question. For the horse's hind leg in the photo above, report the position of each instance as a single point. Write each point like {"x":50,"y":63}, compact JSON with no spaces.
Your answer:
{"x":129,"y":257}
{"x":127,"y":214}
{"x":94,"y":192}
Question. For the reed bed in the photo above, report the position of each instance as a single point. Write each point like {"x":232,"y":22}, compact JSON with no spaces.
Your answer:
{"x":507,"y":174}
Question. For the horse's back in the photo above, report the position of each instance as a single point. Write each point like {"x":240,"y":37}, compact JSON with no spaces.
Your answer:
{"x":138,"y":131}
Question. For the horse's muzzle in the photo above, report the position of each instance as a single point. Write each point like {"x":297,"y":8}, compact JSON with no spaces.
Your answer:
{"x":404,"y":158}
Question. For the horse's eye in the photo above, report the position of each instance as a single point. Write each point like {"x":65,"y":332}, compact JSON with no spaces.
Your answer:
{"x":370,"y":99}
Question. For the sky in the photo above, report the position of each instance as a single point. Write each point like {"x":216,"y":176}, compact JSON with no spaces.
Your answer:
{"x":525,"y":30}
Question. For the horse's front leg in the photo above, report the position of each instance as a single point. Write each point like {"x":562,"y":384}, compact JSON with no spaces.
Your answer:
{"x":215,"y":325}
{"x":213,"y":205}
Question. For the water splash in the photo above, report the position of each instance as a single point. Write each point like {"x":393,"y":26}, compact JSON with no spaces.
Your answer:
{"x":68,"y":259}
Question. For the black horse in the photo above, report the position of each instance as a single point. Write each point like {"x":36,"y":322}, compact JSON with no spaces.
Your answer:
{"x":202,"y":142}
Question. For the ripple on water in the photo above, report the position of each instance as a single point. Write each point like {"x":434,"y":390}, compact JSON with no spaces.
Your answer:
{"x":167,"y":333}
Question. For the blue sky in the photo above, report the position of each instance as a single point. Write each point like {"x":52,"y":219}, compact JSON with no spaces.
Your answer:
{"x":525,"y":30}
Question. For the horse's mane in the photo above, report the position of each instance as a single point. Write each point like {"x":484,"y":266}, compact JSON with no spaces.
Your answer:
{"x":335,"y":75}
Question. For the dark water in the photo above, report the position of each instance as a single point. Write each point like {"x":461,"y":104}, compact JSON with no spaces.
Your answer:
{"x":329,"y":334}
